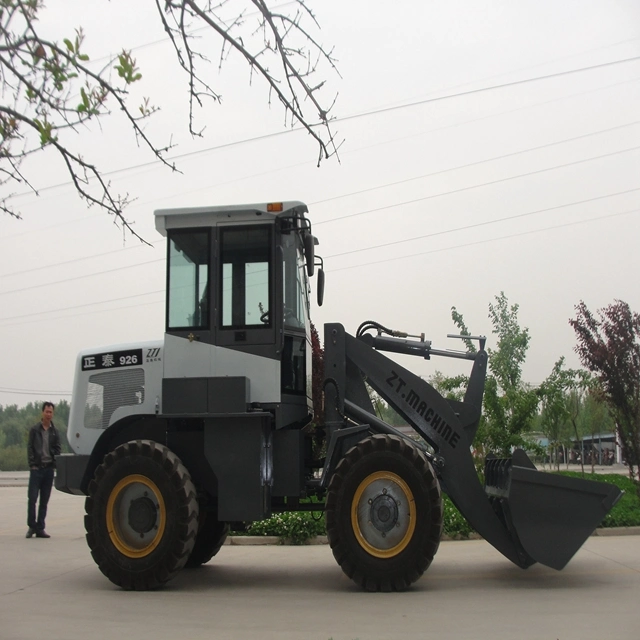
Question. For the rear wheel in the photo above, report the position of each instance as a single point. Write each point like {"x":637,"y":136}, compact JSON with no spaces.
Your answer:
{"x":211,"y":536}
{"x":384,"y":513}
{"x":141,"y":515}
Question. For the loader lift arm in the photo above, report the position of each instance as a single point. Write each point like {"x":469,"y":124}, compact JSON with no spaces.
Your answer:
{"x":517,"y":511}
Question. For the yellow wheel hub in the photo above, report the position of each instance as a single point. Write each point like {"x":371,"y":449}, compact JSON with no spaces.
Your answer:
{"x":136,"y":516}
{"x":383,"y":514}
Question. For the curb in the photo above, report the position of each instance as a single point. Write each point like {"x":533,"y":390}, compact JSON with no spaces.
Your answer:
{"x":245,"y":541}
{"x":617,"y":531}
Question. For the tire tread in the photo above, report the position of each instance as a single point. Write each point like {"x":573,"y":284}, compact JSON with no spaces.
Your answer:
{"x":369,"y":574}
{"x":166,"y":566}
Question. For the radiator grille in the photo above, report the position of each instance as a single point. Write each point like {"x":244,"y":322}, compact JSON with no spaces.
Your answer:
{"x":109,"y":390}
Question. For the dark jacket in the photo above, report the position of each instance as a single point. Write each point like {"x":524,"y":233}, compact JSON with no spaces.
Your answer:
{"x":34,"y":448}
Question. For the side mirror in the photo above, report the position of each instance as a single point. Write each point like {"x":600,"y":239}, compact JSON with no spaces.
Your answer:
{"x":309,"y":253}
{"x":320,"y":285}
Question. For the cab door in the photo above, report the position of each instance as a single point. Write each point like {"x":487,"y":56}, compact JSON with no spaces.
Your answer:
{"x":248,"y":309}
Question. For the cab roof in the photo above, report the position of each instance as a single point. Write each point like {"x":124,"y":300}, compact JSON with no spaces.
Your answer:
{"x":186,"y":217}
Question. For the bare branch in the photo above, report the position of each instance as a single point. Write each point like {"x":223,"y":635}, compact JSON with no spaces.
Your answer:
{"x":49,"y":88}
{"x":296,"y":63}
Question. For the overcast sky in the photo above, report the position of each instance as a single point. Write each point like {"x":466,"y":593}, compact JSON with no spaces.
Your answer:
{"x":532,"y":189}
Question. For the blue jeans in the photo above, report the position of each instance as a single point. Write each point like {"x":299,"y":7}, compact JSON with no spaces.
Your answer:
{"x":40,"y":482}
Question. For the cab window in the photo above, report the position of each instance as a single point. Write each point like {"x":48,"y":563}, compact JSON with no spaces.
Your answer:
{"x":294,"y":282}
{"x":188,"y":286}
{"x":245,"y":277}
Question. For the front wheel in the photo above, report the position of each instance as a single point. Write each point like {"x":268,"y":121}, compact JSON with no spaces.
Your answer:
{"x":384,"y":513}
{"x":141,"y":515}
{"x":211,"y":536}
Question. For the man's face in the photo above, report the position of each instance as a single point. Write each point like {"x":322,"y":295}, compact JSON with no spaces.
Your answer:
{"x":47,"y":414}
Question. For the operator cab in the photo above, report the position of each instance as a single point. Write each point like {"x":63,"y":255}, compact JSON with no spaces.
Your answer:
{"x":238,"y":304}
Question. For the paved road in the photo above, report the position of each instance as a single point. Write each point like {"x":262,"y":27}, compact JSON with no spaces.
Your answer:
{"x":52,"y":589}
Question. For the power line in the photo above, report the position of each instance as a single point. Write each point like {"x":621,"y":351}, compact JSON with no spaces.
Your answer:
{"x":79,"y":306}
{"x":529,"y":67}
{"x":363,"y":114}
{"x":473,"y":164}
{"x":84,"y":313}
{"x":476,"y":186}
{"x":504,"y":85}
{"x":27,"y":392}
{"x":486,"y":240}
{"x":396,"y":183}
{"x":486,"y":223}
{"x":393,"y":140}
{"x":489,"y":222}
{"x":251,"y":14}
{"x":443,"y":128}
{"x":569,"y":204}
{"x":66,"y":262}
{"x":82,"y":277}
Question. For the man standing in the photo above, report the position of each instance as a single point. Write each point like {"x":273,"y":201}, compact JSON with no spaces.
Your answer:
{"x":43,"y":447}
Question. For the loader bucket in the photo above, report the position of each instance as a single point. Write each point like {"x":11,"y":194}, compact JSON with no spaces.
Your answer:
{"x":550,"y":515}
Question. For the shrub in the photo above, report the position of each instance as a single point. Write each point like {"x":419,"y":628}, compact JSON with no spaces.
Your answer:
{"x":293,"y":527}
{"x":298,"y":527}
{"x":453,"y":523}
{"x":626,"y":512}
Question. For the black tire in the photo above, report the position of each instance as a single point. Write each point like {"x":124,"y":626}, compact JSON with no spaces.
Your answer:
{"x":211,"y":536}
{"x":141,"y":515}
{"x":384,"y":513}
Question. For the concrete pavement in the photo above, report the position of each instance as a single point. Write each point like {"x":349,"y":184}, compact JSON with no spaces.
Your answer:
{"x":52,"y":589}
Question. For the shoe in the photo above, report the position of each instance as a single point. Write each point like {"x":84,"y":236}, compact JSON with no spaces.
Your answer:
{"x":42,"y":534}
{"x":30,"y":532}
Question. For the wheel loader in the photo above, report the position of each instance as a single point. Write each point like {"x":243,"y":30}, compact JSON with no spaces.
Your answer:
{"x":175,"y":439}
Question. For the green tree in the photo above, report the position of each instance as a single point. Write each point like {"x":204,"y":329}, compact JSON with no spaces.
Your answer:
{"x":449,"y":387}
{"x":608,"y":345}
{"x":595,"y":418}
{"x":385,"y":412}
{"x":50,"y":91}
{"x":560,"y":409}
{"x":576,"y":407}
{"x":509,"y":404}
